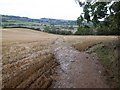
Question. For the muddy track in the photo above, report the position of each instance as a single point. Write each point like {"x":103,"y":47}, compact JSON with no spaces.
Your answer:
{"x":76,"y":69}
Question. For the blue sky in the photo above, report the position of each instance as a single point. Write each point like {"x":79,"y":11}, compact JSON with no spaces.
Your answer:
{"x":58,"y":9}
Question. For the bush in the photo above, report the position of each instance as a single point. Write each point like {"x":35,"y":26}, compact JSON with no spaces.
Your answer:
{"x":108,"y":31}
{"x":84,"y":31}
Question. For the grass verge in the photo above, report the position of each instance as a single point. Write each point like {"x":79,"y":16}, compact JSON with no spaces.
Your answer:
{"x":108,"y":57}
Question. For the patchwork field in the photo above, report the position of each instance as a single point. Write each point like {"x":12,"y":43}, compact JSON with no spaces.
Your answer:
{"x":28,"y":59}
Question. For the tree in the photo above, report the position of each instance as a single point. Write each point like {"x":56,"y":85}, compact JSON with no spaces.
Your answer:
{"x":95,"y":11}
{"x":80,"y":20}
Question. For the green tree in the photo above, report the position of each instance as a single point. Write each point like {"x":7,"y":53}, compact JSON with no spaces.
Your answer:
{"x":80,"y":20}
{"x":95,"y":11}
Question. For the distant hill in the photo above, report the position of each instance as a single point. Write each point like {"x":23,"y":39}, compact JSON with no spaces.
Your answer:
{"x":7,"y":18}
{"x":57,"y":21}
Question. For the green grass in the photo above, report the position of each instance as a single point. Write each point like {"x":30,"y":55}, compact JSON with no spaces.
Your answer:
{"x":18,"y":22}
{"x":108,"y":56}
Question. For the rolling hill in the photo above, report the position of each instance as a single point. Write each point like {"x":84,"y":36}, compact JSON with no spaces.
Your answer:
{"x":6,"y":19}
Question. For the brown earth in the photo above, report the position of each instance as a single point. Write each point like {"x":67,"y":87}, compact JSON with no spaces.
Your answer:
{"x":27,"y":58}
{"x":77,"y":69}
{"x":30,"y":60}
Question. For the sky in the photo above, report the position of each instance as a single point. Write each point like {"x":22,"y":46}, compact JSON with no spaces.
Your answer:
{"x":57,"y":9}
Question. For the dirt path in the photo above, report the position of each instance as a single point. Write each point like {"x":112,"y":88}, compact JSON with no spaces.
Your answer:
{"x":76,"y":69}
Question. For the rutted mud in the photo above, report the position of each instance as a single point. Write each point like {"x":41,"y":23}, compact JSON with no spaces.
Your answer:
{"x":76,"y":69}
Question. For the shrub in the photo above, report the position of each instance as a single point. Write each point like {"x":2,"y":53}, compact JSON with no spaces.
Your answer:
{"x":84,"y":31}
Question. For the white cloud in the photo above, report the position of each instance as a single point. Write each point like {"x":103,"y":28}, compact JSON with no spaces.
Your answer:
{"x":60,"y":9}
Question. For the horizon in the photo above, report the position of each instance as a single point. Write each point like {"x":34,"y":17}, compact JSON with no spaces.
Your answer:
{"x":55,"y":9}
{"x":38,"y":18}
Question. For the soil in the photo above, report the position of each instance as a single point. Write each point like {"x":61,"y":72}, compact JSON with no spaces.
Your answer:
{"x":76,"y":69}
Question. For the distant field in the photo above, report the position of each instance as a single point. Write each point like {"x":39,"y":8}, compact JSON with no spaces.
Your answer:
{"x":27,"y":56}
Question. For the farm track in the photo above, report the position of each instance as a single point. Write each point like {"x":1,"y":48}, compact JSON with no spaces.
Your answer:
{"x":37,"y":61}
{"x":76,"y":69}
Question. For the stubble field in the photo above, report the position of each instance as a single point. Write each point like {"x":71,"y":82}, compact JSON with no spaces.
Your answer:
{"x":28,"y":59}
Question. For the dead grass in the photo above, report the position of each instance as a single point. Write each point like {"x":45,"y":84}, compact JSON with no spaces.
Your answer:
{"x":82,"y":43}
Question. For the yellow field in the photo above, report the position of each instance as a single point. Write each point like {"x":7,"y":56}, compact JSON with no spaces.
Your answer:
{"x":27,"y":55}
